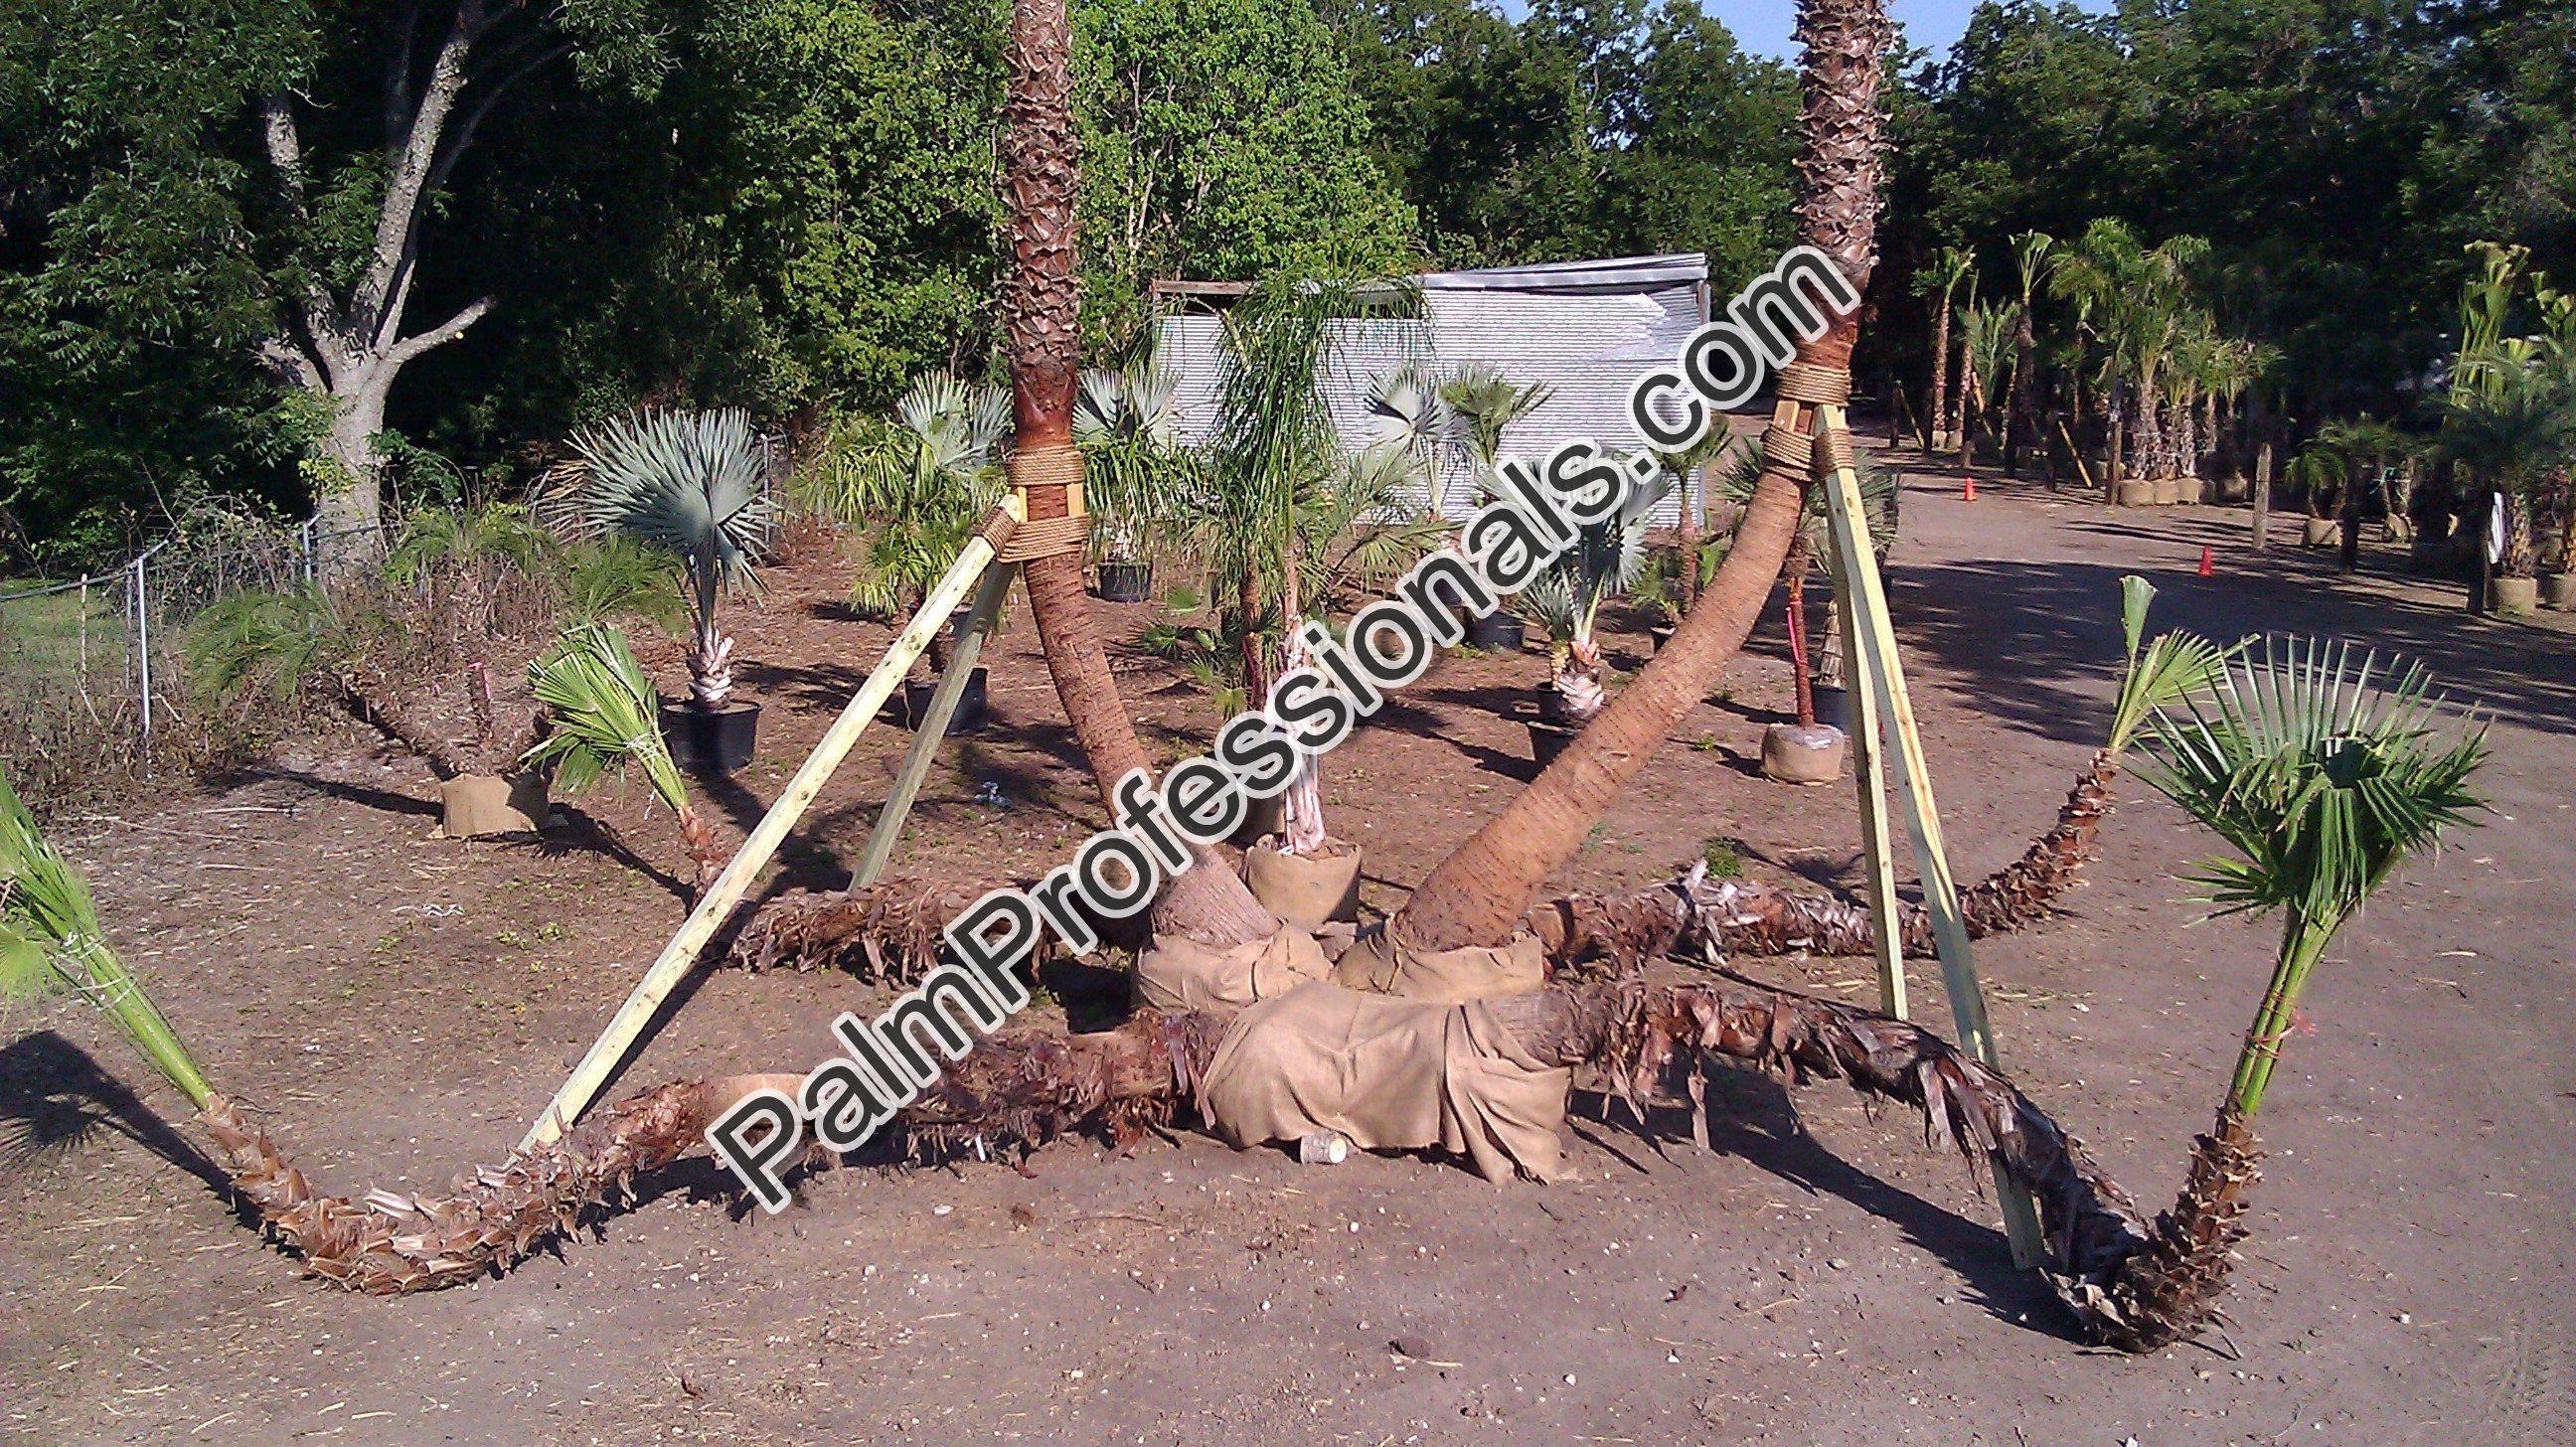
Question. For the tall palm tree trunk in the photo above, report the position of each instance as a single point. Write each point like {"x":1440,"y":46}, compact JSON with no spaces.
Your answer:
{"x":1041,"y":305}
{"x":1479,"y":893}
{"x":1939,"y":416}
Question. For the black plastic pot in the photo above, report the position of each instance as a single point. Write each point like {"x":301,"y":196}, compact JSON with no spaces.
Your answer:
{"x":711,"y":741}
{"x":1833,"y":707}
{"x":970,"y":704}
{"x":1547,"y":740}
{"x":1124,"y":582}
{"x":1497,"y":630}
{"x":1551,"y":706}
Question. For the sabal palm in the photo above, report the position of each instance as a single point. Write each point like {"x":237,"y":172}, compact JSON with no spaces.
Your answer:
{"x":692,"y":484}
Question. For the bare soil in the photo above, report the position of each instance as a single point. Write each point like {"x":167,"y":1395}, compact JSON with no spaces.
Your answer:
{"x":398,"y":1006}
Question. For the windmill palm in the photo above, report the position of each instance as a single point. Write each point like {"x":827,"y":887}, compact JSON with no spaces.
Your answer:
{"x":914,"y":488}
{"x":600,"y":720}
{"x":691,"y":484}
{"x":2324,"y":772}
{"x":52,"y":942}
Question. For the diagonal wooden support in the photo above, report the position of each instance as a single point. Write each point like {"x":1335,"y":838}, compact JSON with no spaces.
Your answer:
{"x":681,"y":953}
{"x":1869,"y":774}
{"x":932,"y":726}
{"x":1883,"y":676}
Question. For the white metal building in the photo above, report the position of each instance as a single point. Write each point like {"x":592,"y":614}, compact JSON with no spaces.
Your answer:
{"x":1584,"y":328}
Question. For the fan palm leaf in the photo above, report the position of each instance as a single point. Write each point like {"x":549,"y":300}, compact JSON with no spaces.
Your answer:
{"x":51,"y":942}
{"x":603,"y":717}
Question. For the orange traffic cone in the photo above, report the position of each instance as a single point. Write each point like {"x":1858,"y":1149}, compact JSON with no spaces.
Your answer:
{"x":2208,"y":562}
{"x":1967,"y":489}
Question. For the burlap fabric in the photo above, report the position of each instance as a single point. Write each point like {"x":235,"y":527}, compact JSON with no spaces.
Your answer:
{"x":1307,"y":890}
{"x":1178,"y":973}
{"x":1390,"y":1074}
{"x":476,"y":804}
{"x":1374,"y":963}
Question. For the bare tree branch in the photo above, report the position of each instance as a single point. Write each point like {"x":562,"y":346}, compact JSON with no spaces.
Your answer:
{"x":289,"y":362}
{"x":437,"y":336}
{"x":285,"y":148}
{"x":405,"y":187}
{"x":398,"y":80}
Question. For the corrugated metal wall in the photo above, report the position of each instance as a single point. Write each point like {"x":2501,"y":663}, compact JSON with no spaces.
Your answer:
{"x":1586,"y":329}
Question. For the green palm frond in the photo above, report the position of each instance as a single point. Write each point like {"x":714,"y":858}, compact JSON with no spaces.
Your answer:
{"x":603,"y":714}
{"x":2323,"y":769}
{"x":690,"y":483}
{"x":463,"y":537}
{"x":2175,"y":667}
{"x":606,"y":577}
{"x":51,"y":942}
{"x":915,"y":486}
{"x":271,"y":641}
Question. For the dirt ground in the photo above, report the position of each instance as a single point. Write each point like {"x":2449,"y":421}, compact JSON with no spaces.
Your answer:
{"x":399,"y":1006}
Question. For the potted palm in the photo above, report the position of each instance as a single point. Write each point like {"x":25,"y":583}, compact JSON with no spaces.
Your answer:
{"x":915,"y":487}
{"x":693,"y":485}
{"x":1124,"y":421}
{"x":1566,"y":600}
{"x":2320,"y":473}
{"x":2511,"y":434}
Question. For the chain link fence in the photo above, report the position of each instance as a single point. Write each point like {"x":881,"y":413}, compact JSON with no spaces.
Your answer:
{"x":95,"y":664}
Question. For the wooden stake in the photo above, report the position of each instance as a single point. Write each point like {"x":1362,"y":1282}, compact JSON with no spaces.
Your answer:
{"x":609,"y":1051}
{"x":1874,"y":633}
{"x":932,"y":727}
{"x":1869,"y":773}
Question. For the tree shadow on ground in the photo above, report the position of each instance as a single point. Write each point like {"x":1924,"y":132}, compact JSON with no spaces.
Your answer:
{"x":2038,"y":643}
{"x":1752,"y":1116}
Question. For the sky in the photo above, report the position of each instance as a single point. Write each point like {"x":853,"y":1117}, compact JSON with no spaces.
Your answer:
{"x":1762,"y":26}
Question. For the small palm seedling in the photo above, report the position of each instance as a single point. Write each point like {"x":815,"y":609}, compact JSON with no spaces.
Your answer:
{"x":691,"y":484}
{"x":1566,"y":600}
{"x":382,"y":1242}
{"x":2323,"y":772}
{"x":601,"y":711}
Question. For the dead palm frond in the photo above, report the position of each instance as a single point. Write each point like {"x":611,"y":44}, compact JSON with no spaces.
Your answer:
{"x":603,"y":715}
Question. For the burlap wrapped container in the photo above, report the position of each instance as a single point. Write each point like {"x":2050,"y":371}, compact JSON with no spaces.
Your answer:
{"x":1306,"y":890}
{"x":1374,"y":963}
{"x":1179,"y":973}
{"x":1390,"y":1074}
{"x":478,"y":804}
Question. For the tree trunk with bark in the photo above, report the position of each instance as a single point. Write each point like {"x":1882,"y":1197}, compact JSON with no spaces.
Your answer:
{"x":347,"y":349}
{"x":1041,"y":311}
{"x":1478,"y":895}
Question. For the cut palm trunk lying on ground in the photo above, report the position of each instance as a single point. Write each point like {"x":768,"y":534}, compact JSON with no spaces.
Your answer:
{"x":2130,"y":1284}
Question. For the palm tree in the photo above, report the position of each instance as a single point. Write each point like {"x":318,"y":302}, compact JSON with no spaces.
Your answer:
{"x":600,"y":718}
{"x":2511,"y":432}
{"x":1986,"y":355}
{"x":691,"y":484}
{"x":1126,"y":423}
{"x":1277,"y":501}
{"x":1566,"y":599}
{"x":916,"y":487}
{"x":2368,"y":447}
{"x":1478,"y":895}
{"x":1042,"y":341}
{"x":2324,"y":773}
{"x":51,"y":941}
{"x":1951,"y":266}
{"x":2030,"y":265}
{"x":325,"y":643}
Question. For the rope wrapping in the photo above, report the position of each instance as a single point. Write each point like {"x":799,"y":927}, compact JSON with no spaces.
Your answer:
{"x":1834,"y":450}
{"x":1033,"y":538}
{"x":1816,"y":386}
{"x":1788,"y":453}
